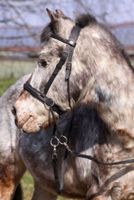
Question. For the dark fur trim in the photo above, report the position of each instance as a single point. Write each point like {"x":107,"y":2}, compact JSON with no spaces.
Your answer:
{"x":84,"y":20}
{"x":46,"y":33}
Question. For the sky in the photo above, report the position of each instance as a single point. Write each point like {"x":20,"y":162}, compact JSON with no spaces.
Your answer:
{"x":33,"y":12}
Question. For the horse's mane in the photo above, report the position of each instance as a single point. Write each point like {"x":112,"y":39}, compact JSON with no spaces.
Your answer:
{"x":82,"y":21}
{"x":46,"y":33}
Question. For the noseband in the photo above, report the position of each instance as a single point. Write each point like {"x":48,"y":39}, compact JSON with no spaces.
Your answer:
{"x":65,"y":57}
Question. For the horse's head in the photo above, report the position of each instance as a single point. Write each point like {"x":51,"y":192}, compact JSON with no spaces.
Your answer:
{"x":31,"y":114}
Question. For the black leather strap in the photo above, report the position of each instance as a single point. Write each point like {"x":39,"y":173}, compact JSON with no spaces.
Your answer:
{"x":69,"y":42}
{"x":66,"y":55}
{"x":128,"y":161}
{"x":56,"y":175}
{"x":56,"y":71}
{"x":44,"y":99}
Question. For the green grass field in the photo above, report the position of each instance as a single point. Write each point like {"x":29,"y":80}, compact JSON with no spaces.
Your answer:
{"x":5,"y":83}
{"x":27,"y":185}
{"x":15,"y":68}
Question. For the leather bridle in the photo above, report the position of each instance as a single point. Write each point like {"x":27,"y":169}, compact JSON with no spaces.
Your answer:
{"x":65,"y":57}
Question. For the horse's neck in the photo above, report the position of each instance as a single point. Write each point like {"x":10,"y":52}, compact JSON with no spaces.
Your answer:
{"x":109,"y":86}
{"x":114,"y":102}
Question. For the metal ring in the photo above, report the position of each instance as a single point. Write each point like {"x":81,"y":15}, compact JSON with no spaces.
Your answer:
{"x":72,"y":43}
{"x":54,"y":142}
{"x":49,"y":102}
{"x":63,"y":140}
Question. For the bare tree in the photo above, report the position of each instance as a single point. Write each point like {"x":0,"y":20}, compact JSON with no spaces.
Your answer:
{"x":24,"y":15}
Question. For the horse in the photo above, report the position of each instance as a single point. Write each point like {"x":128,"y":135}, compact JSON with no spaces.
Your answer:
{"x":101,"y":77}
{"x":11,"y":165}
{"x":20,"y":151}
{"x":81,"y":177}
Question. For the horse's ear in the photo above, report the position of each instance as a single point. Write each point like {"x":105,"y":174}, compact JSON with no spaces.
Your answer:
{"x":59,"y":13}
{"x":54,"y":16}
{"x":50,"y":14}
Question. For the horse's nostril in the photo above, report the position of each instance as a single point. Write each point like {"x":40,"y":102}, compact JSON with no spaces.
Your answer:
{"x":13,"y":110}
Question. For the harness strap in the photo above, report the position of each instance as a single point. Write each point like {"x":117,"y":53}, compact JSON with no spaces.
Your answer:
{"x":129,"y":161}
{"x":58,"y":184}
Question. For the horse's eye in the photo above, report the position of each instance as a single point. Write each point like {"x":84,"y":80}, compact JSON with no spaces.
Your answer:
{"x":42,"y":63}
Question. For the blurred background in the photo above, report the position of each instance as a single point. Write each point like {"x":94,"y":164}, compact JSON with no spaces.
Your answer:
{"x":21,"y":22}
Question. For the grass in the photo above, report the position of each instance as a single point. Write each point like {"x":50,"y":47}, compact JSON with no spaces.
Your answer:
{"x":27,"y":185}
{"x":5,"y":83}
{"x":15,"y":68}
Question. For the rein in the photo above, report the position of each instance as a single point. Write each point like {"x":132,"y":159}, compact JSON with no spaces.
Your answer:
{"x":62,"y":140}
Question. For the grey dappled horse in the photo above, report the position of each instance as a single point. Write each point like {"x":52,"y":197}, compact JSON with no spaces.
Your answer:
{"x":11,"y":166}
{"x":102,"y":78}
{"x":20,"y":151}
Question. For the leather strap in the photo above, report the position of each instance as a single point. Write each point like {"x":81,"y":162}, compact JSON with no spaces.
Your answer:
{"x":44,"y":99}
{"x":67,"y":54}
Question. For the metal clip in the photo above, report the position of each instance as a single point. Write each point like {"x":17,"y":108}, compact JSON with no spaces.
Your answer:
{"x":63,"y":141}
{"x":54,"y":142}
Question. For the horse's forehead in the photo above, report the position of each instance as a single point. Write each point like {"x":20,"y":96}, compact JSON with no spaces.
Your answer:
{"x":50,"y":50}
